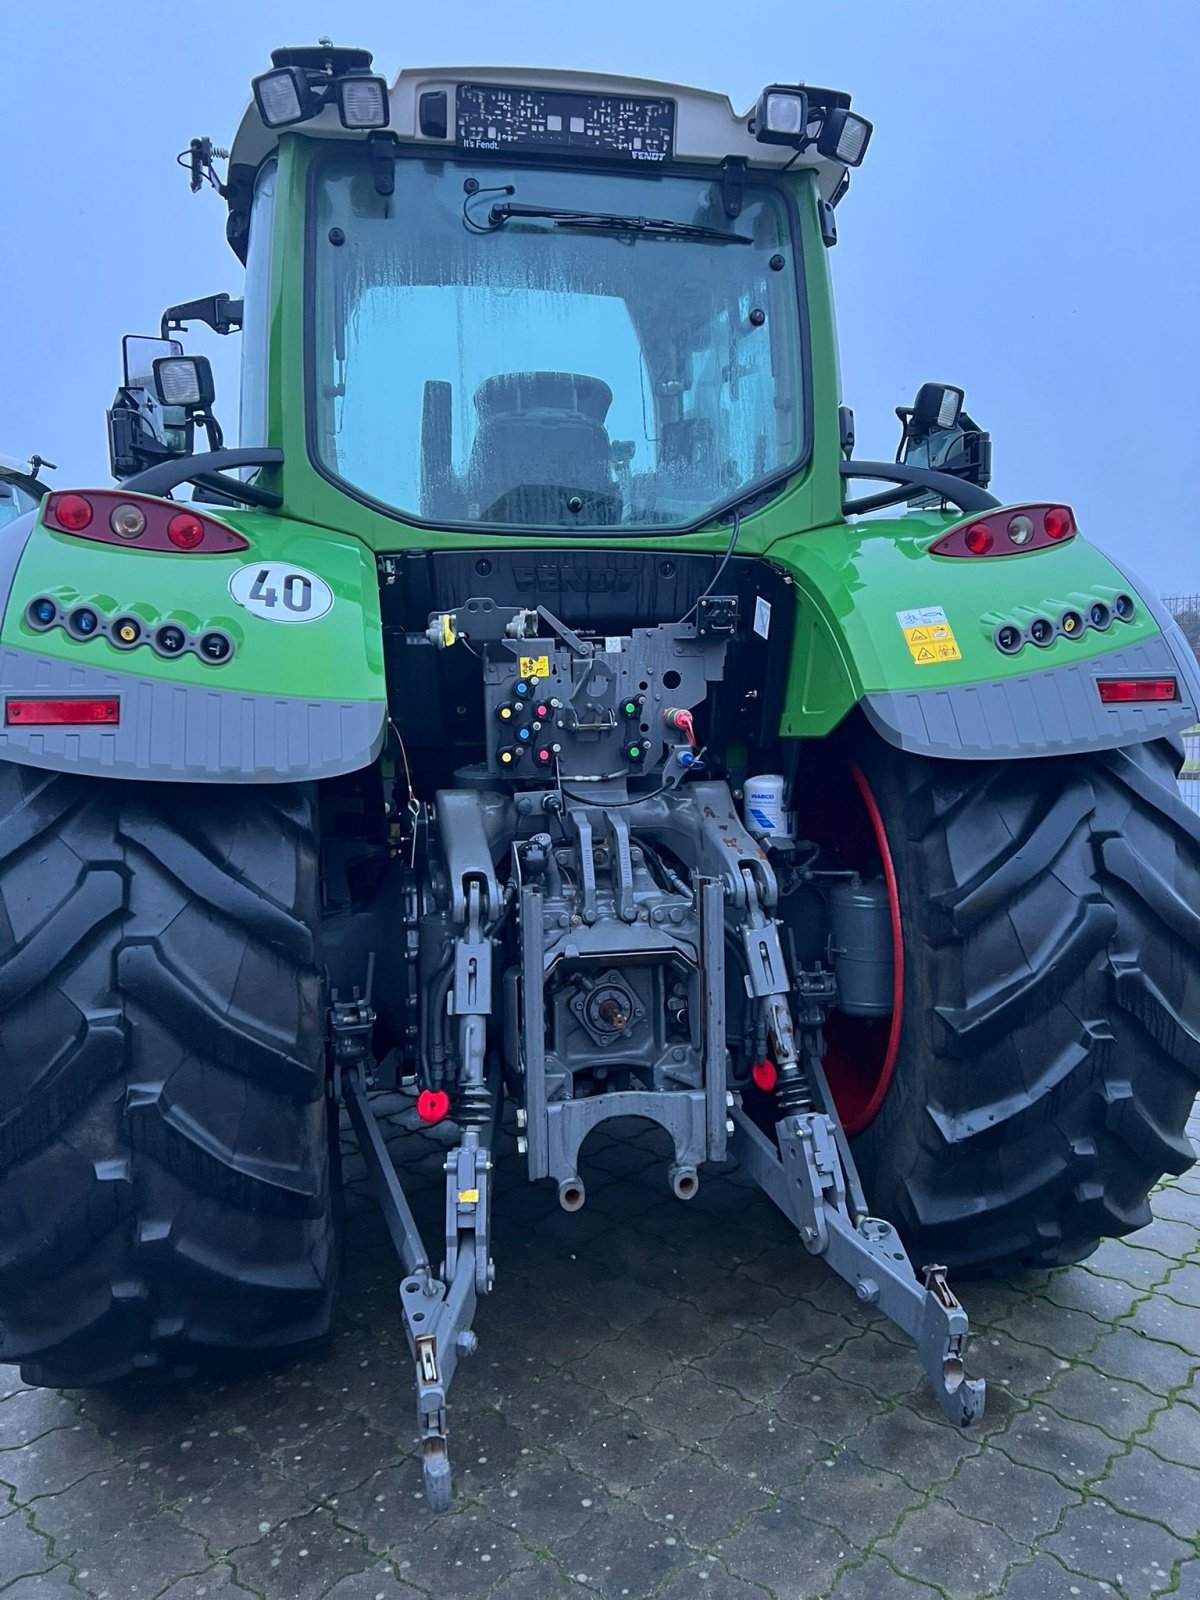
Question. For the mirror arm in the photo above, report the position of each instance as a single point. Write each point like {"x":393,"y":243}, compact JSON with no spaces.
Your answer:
{"x":167,"y":475}
{"x":967,"y":497}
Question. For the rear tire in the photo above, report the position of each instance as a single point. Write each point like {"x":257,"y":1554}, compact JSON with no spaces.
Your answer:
{"x":165,"y":1161}
{"x":1049,"y":1055}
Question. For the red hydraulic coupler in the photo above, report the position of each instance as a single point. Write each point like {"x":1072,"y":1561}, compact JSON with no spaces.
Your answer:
{"x":680,"y":722}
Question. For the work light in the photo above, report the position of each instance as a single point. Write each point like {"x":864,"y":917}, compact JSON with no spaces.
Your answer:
{"x":184,"y":381}
{"x":844,"y":137}
{"x":284,"y":96}
{"x":781,"y":116}
{"x":362,"y":101}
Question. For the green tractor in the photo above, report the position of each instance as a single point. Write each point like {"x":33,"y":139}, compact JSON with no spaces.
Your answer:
{"x":542,"y":704}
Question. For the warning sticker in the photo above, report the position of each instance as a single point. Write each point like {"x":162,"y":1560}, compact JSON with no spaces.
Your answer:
{"x":929,"y":636}
{"x":535,"y":666}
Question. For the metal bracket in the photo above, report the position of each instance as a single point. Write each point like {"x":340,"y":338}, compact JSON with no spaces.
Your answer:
{"x":437,"y":1311}
{"x":809,"y":1186}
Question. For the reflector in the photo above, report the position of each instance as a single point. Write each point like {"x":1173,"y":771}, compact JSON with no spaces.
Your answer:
{"x":48,"y":713}
{"x":1122,"y":691}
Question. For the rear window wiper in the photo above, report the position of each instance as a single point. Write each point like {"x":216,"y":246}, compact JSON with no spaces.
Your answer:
{"x":610,"y":222}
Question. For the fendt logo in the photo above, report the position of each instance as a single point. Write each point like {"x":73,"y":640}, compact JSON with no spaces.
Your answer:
{"x":579,"y":580}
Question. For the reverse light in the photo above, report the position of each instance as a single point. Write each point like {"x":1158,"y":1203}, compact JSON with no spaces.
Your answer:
{"x":128,"y":521}
{"x":41,"y":713}
{"x":111,"y":517}
{"x":1008,"y":533}
{"x":1128,"y":691}
{"x":362,"y":101}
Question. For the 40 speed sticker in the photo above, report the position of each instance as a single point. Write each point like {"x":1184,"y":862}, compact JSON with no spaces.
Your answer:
{"x":278,"y":592}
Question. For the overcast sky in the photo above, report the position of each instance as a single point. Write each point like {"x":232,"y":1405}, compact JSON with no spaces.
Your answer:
{"x":1026,"y":223}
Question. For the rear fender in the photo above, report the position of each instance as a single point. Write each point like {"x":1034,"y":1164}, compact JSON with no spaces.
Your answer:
{"x":911,"y":637}
{"x":300,"y":697}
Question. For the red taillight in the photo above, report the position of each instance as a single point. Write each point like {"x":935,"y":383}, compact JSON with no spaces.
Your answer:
{"x":978,"y":538}
{"x":1124,"y":691}
{"x":111,"y":517}
{"x":1058,"y":522}
{"x":185,"y":530}
{"x":50,"y":713}
{"x":73,"y":512}
{"x":1011,"y":532}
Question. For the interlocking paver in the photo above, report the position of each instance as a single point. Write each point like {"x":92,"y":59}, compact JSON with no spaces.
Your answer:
{"x":53,"y":1585}
{"x":681,"y":1403}
{"x":23,"y":1549}
{"x":702,"y":1500}
{"x":622,"y":1553}
{"x":622,"y":1451}
{"x":303,"y":1558}
{"x":1042,"y":1437}
{"x":1159,"y":1490}
{"x":1045,"y":1579}
{"x":1128,"y":1353}
{"x":1022,"y":1500}
{"x":861,"y":1501}
{"x":962,"y":1555}
{"x":875,"y":1578}
{"x":1136,"y":1555}
{"x":787,"y":1552}
{"x":1118,"y":1408}
{"x":134,"y":1563}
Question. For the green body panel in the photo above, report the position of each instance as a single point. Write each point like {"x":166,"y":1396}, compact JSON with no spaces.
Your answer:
{"x":337,"y":656}
{"x":852,"y":579}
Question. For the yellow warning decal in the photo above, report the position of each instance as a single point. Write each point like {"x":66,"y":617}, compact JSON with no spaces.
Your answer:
{"x":468,"y":1197}
{"x":535,"y":666}
{"x":929,"y":636}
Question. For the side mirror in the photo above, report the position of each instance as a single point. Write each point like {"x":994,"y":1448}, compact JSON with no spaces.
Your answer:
{"x":185,"y":381}
{"x":138,"y":355}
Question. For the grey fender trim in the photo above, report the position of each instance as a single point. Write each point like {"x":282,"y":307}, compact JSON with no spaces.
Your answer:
{"x":1056,"y":711}
{"x":183,"y":733}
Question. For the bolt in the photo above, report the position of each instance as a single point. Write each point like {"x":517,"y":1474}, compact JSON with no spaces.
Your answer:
{"x":522,"y":1144}
{"x":729,"y":1097}
{"x":728,"y":1124}
{"x":522,"y":1117}
{"x":809,"y":1235}
{"x":867,"y":1291}
{"x":467,"y":1343}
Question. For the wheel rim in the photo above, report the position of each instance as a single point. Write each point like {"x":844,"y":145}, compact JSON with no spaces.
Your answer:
{"x":861,"y":1051}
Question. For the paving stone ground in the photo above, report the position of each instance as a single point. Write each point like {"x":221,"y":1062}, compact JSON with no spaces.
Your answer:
{"x":669,"y":1400}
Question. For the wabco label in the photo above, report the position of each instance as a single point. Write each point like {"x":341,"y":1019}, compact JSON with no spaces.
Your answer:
{"x":929,"y":636}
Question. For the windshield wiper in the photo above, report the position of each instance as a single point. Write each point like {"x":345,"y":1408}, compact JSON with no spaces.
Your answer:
{"x":610,"y":222}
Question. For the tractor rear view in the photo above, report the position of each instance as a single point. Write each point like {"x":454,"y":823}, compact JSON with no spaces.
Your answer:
{"x":541,"y":704}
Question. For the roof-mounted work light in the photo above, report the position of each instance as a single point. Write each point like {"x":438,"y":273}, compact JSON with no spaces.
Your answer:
{"x":284,"y":96}
{"x":362,"y":100}
{"x":844,"y":136}
{"x":781,"y":116}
